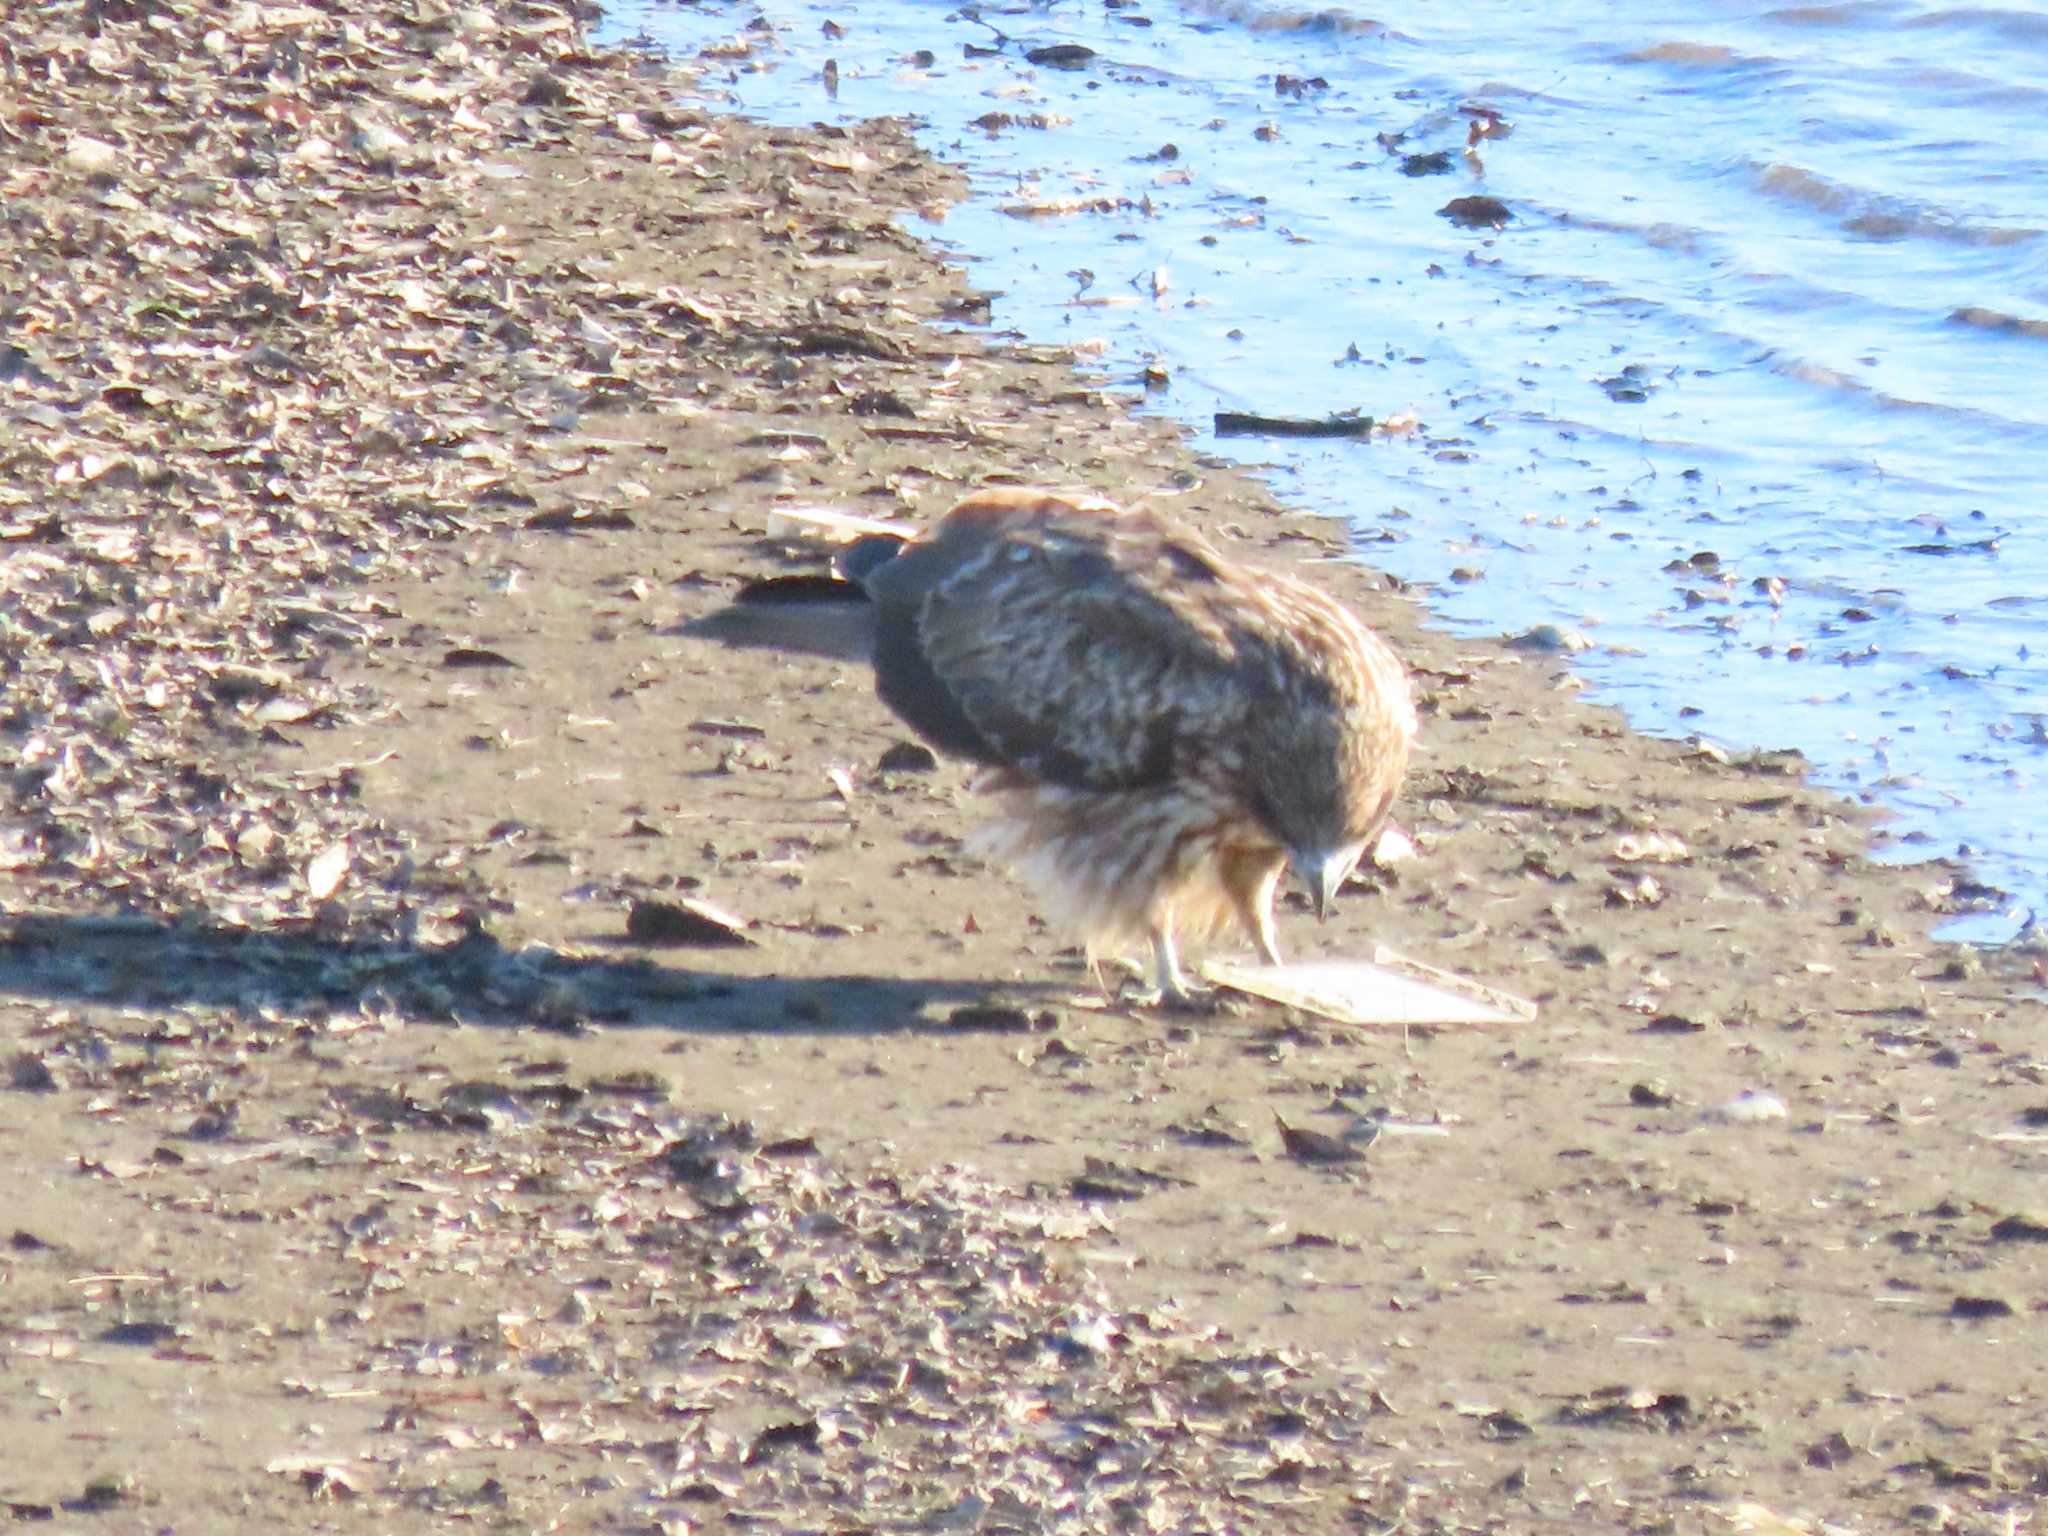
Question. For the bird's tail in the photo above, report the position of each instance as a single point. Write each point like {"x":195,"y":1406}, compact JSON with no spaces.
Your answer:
{"x":812,"y":615}
{"x":860,"y":559}
{"x":816,"y":615}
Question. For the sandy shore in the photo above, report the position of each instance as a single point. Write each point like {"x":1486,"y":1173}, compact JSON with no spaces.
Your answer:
{"x":383,"y":389}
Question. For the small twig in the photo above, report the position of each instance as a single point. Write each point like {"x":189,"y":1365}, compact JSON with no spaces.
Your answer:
{"x":1248,"y":424}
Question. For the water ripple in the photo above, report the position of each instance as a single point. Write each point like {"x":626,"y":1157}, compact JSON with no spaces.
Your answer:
{"x":1876,"y":216}
{"x":2023,"y":29}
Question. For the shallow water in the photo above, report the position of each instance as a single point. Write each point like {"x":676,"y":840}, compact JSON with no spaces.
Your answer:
{"x":1749,"y":389}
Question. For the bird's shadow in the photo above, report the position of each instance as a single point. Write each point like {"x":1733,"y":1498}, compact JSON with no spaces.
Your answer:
{"x":149,"y":962}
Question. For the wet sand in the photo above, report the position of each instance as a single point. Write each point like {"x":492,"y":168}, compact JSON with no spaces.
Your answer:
{"x":396,"y":1187}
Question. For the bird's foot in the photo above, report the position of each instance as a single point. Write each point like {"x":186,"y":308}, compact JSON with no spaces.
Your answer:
{"x":1170,"y":992}
{"x":1189,"y":1002}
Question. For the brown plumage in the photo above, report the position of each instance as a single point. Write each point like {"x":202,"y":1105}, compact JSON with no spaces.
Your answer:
{"x":1166,"y":731}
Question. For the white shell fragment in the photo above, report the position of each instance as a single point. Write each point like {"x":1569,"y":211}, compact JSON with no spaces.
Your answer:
{"x":324,"y":872}
{"x":1651,"y":847}
{"x":827,"y":524}
{"x":1388,"y":989}
{"x":1752,"y":1106}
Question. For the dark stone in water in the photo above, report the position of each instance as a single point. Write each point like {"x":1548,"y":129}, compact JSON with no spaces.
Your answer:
{"x":1476,"y":212}
{"x":1060,"y":56}
{"x":1631,"y":386}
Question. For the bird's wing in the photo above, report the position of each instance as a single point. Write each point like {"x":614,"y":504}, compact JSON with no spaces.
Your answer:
{"x":1085,"y":649}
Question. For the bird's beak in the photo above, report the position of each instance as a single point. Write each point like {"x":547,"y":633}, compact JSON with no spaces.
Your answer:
{"x":1324,"y":873}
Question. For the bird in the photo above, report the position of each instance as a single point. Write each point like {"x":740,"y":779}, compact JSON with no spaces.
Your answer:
{"x":1163,"y":731}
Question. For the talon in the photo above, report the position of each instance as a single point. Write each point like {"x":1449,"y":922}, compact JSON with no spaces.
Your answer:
{"x":1202,"y":1002}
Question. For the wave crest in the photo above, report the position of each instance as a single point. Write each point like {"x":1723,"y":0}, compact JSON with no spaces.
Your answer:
{"x":1873,"y":216}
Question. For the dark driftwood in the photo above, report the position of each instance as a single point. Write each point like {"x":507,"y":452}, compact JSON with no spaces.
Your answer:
{"x":1245,"y":424}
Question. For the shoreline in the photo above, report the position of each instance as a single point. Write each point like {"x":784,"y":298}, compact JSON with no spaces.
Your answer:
{"x":364,"y":517}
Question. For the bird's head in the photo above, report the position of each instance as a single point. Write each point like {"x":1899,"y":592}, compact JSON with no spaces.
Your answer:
{"x":1320,"y":789}
{"x":1308,"y":818}
{"x":1324,"y":871}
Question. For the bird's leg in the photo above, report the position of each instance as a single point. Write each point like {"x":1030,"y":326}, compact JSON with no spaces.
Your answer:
{"x":1252,"y":877}
{"x":1262,"y":931}
{"x":1173,"y":985}
{"x":1175,"y":992}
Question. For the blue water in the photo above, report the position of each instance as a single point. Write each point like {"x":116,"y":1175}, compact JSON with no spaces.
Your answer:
{"x":1751,"y":390}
